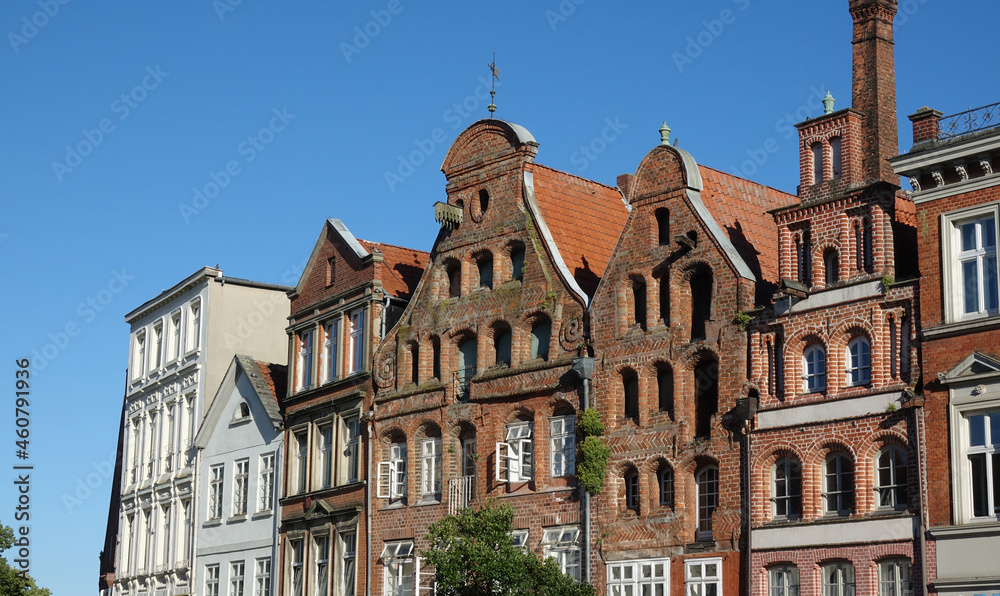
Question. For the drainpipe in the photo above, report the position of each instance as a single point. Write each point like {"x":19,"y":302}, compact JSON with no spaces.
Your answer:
{"x":369,"y":418}
{"x":279,"y":464}
{"x":584,"y":368}
{"x":918,"y":416}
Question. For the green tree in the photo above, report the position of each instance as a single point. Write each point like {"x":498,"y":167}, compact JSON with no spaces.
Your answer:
{"x":473,"y":555}
{"x":13,"y":583}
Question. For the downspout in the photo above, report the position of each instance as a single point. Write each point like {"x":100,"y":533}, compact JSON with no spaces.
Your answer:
{"x":584,"y":368}
{"x":921,"y":472}
{"x":369,"y":418}
{"x":278,"y":486}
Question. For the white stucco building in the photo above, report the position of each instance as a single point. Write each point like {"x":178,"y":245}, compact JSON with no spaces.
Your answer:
{"x":239,"y":456}
{"x":181,"y":344}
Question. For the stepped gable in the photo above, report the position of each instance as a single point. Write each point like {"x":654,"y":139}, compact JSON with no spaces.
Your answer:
{"x":401,"y":267}
{"x":585,"y":219}
{"x":741,"y":208}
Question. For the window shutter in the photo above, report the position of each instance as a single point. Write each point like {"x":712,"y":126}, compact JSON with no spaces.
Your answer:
{"x":502,"y":455}
{"x":385,"y":474}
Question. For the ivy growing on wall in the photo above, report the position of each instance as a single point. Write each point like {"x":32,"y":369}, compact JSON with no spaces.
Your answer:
{"x":594,"y":452}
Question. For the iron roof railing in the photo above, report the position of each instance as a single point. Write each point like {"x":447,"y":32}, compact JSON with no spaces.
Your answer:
{"x":974,"y":120}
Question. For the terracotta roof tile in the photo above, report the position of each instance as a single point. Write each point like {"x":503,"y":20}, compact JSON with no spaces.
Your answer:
{"x":401,"y":267}
{"x":740,"y":208}
{"x":276,"y":377}
{"x":585,"y":219}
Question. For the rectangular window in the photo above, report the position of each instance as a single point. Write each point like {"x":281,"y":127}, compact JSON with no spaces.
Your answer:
{"x":983,"y":452}
{"x":783,"y":581}
{"x":168,"y":439}
{"x":266,"y":484}
{"x":357,"y":341}
{"x":175,"y":335}
{"x":185,"y":537}
{"x":157,"y":353}
{"x":969,"y":264}
{"x":703,"y":577}
{"x":348,"y":566}
{"x":838,"y":579}
{"x":331,"y":351}
{"x":520,"y":539}
{"x":236,"y":578}
{"x":392,"y":473}
{"x":321,"y":566}
{"x":649,"y":577}
{"x":563,"y":546}
{"x":351,"y":438}
{"x":304,"y":362}
{"x":326,"y":455}
{"x":194,"y":326}
{"x":211,"y":580}
{"x":241,"y":486}
{"x":301,"y":461}
{"x":139,"y":356}
{"x":163,"y":547}
{"x":296,"y":559}
{"x":398,"y":559}
{"x":894,"y":578}
{"x":262,"y":578}
{"x":430,"y":467}
{"x":562,"y":429}
{"x":151,"y":456}
{"x":215,"y":492}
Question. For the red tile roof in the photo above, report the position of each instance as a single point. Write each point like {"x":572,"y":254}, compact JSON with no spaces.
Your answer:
{"x":740,"y":208}
{"x":401,"y":267}
{"x":585,"y":219}
{"x":276,"y":377}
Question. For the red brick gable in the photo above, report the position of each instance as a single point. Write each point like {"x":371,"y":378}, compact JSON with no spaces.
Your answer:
{"x":585,"y":219}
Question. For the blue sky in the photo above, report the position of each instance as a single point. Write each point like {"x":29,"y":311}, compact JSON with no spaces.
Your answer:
{"x":117,"y":114}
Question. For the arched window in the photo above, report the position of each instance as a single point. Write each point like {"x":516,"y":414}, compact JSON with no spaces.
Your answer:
{"x":707,"y":484}
{"x":484,"y":200}
{"x":540,"y":333}
{"x":701,"y":303}
{"x":783,"y":580}
{"x":817,"y":159}
{"x":662,"y":226}
{"x":665,"y":388}
{"x":894,"y":577}
{"x":517,"y":261}
{"x":786,"y":489}
{"x":638,"y":301}
{"x":501,"y":345}
{"x":485,"y":266}
{"x":706,"y":383}
{"x":630,"y":387}
{"x":859,"y":364}
{"x":665,"y":484}
{"x":632,"y":490}
{"x":838,"y":484}
{"x":866,"y":238}
{"x":242,"y":411}
{"x":836,"y":157}
{"x":814,"y":369}
{"x":414,"y":362}
{"x":454,"y":271}
{"x":838,"y":578}
{"x":802,"y":258}
{"x":467,"y":354}
{"x":663,"y":282}
{"x":436,"y":356}
{"x":890,"y":478}
{"x":893,"y":350}
{"x":430,"y":465}
{"x":831,"y":266}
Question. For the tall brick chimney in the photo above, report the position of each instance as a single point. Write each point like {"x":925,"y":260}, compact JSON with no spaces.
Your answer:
{"x":875,"y":85}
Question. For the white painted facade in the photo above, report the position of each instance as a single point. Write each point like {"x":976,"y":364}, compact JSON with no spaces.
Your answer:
{"x":180,"y":346}
{"x":239,"y":459}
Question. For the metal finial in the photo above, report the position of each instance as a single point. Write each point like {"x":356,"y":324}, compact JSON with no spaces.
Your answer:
{"x":828,"y":103}
{"x":665,"y":134}
{"x":495,"y":72}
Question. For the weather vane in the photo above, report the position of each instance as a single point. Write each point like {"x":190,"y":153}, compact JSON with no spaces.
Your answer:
{"x":496,"y":77}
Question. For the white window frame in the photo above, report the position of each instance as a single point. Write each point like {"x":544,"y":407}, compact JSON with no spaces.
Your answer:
{"x":814,"y":382}
{"x":396,"y":557}
{"x":515,"y":456}
{"x":519,"y":538}
{"x":237,"y":571}
{"x":705,"y":516}
{"x":212,"y":580}
{"x":331,"y":350}
{"x":894,"y":577}
{"x":392,"y":473}
{"x":216,"y":487}
{"x":641,"y":576}
{"x":265,"y":487}
{"x":324,"y":449}
{"x":562,"y":437}
{"x":951,"y":273}
{"x":304,"y":359}
{"x":897,"y":483}
{"x":348,"y":572}
{"x":299,"y":471}
{"x":175,"y":336}
{"x":859,"y":364}
{"x":562,"y":544}
{"x":787,"y":490}
{"x":356,"y":341}
{"x":783,"y":580}
{"x":193,"y":335}
{"x":838,"y":578}
{"x":430,"y":468}
{"x":296,"y":566}
{"x":697,"y":575}
{"x":991,"y":450}
{"x":351,"y":449}
{"x":241,"y":486}
{"x":139,"y":355}
{"x":163,"y":547}
{"x":838,"y":484}
{"x":156,"y":351}
{"x":262,"y":577}
{"x":321,"y":565}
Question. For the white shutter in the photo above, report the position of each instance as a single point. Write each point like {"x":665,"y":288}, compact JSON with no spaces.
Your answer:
{"x":502,"y":456}
{"x":385,"y":474}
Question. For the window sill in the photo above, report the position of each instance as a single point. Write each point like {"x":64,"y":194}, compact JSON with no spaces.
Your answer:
{"x":961,"y":327}
{"x":263,"y":514}
{"x":212,"y":523}
{"x":240,"y":421}
{"x":235,"y":519}
{"x":428,"y":500}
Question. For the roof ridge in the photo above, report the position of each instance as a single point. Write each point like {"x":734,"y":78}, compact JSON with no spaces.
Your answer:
{"x":614,"y":188}
{"x":394,"y":246}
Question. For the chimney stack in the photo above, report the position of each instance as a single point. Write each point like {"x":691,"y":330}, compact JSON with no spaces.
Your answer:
{"x":874,"y":92}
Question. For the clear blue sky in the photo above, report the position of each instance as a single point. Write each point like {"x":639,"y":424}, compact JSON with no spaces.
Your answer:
{"x":198,"y":83}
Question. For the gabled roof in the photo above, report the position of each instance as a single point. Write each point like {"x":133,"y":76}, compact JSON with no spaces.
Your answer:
{"x":268,"y":381}
{"x":585,"y":219}
{"x":401,"y":267}
{"x":974,"y":367}
{"x":740,"y":207}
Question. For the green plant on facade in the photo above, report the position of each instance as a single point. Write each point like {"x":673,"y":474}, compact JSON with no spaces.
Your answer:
{"x":887,"y":281}
{"x":742,"y":320}
{"x":594,"y":452}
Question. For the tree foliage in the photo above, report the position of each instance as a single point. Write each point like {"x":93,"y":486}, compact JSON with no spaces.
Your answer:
{"x":11,"y":582}
{"x":473,"y":555}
